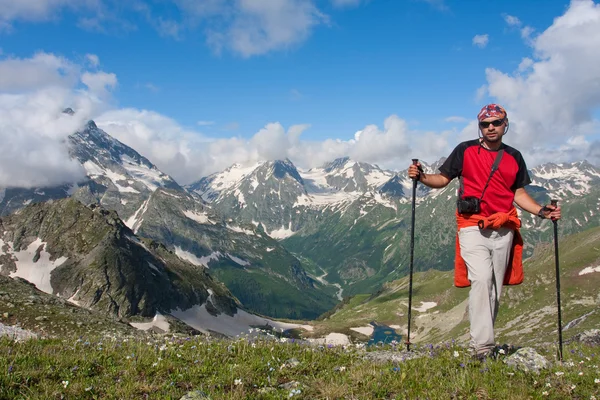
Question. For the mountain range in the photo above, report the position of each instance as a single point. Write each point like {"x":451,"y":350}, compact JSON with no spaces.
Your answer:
{"x":285,"y":242}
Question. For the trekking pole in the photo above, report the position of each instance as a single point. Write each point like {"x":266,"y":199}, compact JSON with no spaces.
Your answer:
{"x":560,"y":342}
{"x":412,"y":251}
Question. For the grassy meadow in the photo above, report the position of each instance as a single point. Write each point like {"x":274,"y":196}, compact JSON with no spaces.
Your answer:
{"x":266,"y":367}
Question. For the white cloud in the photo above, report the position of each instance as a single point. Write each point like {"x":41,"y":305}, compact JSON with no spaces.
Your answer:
{"x":187,"y":156}
{"x":93,"y":60}
{"x":206,"y":123}
{"x":33,"y":129}
{"x":512,"y":20}
{"x":554,"y":95}
{"x":245,"y":27}
{"x":41,"y":70}
{"x":480,"y":40}
{"x":38,"y":10}
{"x":259,"y":27}
{"x":99,"y":83}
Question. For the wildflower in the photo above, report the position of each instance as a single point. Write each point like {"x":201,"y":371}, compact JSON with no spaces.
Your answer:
{"x":573,"y":387}
{"x":581,"y":374}
{"x":456,"y":353}
{"x":237,"y":382}
{"x":596,"y":380}
{"x":154,"y":364}
{"x":501,"y":351}
{"x":342,"y":368}
{"x":10,"y":369}
{"x":544,"y":393}
{"x":87,"y":389}
{"x":548,"y":384}
{"x":178,"y":355}
{"x":510,"y":373}
{"x":65,"y":384}
{"x":294,"y":392}
{"x":559,"y":373}
{"x":253,"y":345}
{"x":462,"y":365}
{"x":592,"y":397}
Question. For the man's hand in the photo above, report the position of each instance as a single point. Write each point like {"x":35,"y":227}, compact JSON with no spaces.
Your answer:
{"x":415,"y":171}
{"x":551,"y":212}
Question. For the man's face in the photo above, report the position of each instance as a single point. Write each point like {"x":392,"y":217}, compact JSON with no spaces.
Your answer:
{"x":492,"y":129}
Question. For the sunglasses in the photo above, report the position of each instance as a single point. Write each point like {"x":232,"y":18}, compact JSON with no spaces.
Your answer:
{"x":497,"y":122}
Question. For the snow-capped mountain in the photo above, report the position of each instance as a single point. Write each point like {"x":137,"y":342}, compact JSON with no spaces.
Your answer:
{"x":351,"y":219}
{"x":255,"y":267}
{"x":284,"y":199}
{"x":123,"y":178}
{"x":568,"y":179}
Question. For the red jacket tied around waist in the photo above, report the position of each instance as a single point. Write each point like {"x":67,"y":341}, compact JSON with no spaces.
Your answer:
{"x":514,"y":270}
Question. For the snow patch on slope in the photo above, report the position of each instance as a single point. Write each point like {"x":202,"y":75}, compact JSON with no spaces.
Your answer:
{"x":198,"y":261}
{"x":201,"y":218}
{"x":37,"y":272}
{"x":240,"y":323}
{"x":158,"y":321}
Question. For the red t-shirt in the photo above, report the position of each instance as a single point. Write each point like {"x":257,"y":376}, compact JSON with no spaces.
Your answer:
{"x":473,"y":163}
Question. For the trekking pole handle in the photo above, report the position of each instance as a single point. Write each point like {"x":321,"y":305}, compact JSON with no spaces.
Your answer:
{"x":415,"y":162}
{"x":555,"y":204}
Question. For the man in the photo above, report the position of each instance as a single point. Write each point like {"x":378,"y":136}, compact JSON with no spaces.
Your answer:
{"x":488,"y":244}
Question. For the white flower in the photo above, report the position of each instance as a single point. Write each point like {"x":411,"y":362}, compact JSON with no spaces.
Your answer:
{"x":342,"y":368}
{"x":544,"y":393}
{"x":573,"y":387}
{"x":253,"y":345}
{"x":456,"y":353}
{"x":559,"y":373}
{"x":501,"y":351}
{"x":154,"y":364}
{"x":65,"y":384}
{"x":237,"y":382}
{"x":596,"y":380}
{"x":548,"y":384}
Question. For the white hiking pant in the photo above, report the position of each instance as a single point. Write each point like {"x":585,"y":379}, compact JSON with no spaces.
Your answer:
{"x":486,"y":253}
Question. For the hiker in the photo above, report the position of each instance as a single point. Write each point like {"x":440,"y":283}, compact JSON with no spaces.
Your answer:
{"x":488,"y":242}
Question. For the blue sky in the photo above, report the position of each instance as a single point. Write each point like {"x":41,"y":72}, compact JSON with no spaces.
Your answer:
{"x":223,"y":70}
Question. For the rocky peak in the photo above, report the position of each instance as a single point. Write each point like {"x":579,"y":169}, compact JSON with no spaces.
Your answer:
{"x":336,"y":164}
{"x":281,"y":168}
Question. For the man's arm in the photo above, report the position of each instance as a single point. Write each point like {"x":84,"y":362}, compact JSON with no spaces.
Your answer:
{"x":435,"y":181}
{"x":527,"y":203}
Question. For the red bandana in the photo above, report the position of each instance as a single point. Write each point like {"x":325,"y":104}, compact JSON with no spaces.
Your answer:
{"x":491,"y":110}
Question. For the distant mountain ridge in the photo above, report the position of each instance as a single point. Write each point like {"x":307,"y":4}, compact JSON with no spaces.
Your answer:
{"x":290,"y":242}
